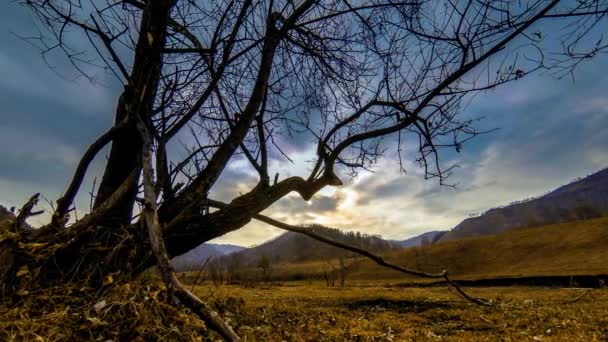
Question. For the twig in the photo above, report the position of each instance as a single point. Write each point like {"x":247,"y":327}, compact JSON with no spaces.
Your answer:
{"x":576,"y":299}
{"x":464,"y":294}
{"x":200,"y":272}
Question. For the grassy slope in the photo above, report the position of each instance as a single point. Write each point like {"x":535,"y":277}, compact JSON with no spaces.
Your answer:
{"x":574,"y":248}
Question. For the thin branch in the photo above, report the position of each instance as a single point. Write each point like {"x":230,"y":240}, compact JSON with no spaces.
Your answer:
{"x":200,"y":271}
{"x":59,"y":218}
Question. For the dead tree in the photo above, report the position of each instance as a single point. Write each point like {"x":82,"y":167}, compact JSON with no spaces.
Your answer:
{"x":233,"y":79}
{"x":345,"y":270}
{"x":330,"y":278}
{"x":339,"y":272}
{"x":265,"y":265}
{"x":217,"y":272}
{"x":233,"y":268}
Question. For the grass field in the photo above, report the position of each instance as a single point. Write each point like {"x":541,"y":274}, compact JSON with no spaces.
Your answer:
{"x":370,"y":311}
{"x":573,"y":248}
{"x":373,"y":306}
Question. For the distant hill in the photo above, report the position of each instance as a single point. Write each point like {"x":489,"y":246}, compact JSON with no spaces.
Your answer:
{"x":292,"y":247}
{"x":194,"y":259}
{"x":572,"y":248}
{"x":227,"y":249}
{"x":422,"y":239}
{"x":565,"y":249}
{"x":582,"y":199}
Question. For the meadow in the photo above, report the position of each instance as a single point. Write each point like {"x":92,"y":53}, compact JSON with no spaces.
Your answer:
{"x":380,"y":311}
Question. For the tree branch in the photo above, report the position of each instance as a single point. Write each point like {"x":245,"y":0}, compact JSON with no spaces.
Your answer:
{"x":26,"y":212}
{"x":59,"y":218}
{"x":375,"y":258}
{"x":150,"y":219}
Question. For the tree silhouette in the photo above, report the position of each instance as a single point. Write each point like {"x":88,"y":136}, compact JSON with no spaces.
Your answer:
{"x":351,"y":79}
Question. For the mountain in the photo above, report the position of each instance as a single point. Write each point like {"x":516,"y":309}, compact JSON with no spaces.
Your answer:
{"x":226,"y":249}
{"x":293,"y":247}
{"x":422,"y":239}
{"x":580,"y":200}
{"x":566,"y":249}
{"x":195,"y":258}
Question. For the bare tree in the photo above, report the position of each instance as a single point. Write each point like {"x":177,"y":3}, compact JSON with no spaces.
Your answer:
{"x":217,"y":272}
{"x":339,"y":272}
{"x":330,"y":277}
{"x":210,"y":82}
{"x":233,"y":267}
{"x":265,"y":265}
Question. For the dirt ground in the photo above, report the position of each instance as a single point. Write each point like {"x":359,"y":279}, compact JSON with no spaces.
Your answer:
{"x":381,"y":312}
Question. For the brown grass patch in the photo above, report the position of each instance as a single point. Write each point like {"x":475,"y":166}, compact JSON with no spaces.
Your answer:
{"x":136,"y":311}
{"x":313,"y":312}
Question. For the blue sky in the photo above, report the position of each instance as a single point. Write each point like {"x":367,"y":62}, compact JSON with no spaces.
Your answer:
{"x":550,"y":131}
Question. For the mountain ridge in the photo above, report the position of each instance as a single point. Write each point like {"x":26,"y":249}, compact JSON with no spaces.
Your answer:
{"x":293,"y":247}
{"x":421,"y":239}
{"x":195,"y":258}
{"x":582,"y":199}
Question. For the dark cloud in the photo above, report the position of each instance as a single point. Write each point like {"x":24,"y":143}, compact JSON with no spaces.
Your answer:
{"x":47,"y":120}
{"x":550,"y":131}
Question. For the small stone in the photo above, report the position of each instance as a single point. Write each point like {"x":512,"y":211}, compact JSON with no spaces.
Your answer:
{"x":100,"y":305}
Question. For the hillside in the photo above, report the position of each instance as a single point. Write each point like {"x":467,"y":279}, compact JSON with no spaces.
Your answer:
{"x":195,"y":258}
{"x":583,"y":199}
{"x":292,"y":247}
{"x":573,"y":248}
{"x":422,"y":239}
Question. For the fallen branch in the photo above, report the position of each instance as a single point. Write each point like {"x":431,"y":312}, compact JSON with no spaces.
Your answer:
{"x":576,"y":299}
{"x":377,"y":259}
{"x":150,"y":219}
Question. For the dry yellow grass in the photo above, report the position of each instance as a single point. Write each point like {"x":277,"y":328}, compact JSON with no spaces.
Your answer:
{"x":563,"y":249}
{"x":135,"y":311}
{"x":313,"y":312}
{"x":371,"y":308}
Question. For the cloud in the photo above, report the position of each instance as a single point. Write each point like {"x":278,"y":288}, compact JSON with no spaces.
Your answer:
{"x":551,"y":131}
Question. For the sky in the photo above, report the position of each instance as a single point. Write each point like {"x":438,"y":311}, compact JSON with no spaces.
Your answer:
{"x":550,"y":131}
